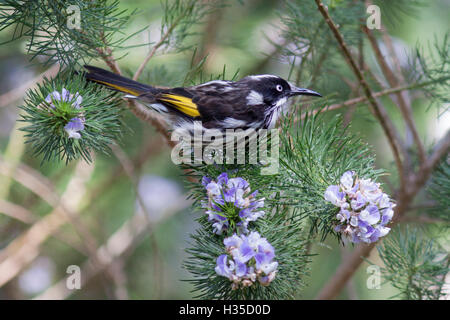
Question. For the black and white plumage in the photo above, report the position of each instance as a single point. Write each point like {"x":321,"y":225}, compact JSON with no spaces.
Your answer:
{"x":252,"y":102}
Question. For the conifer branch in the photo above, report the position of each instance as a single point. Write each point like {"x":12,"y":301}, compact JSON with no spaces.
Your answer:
{"x":155,"y":48}
{"x":393,"y":81}
{"x":384,"y":121}
{"x":362,"y":99}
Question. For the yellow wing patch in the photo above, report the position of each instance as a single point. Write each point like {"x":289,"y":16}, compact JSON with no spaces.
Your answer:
{"x":183,"y":104}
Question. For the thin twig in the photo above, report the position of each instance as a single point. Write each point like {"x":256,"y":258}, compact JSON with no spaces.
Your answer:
{"x":137,"y":109}
{"x":421,"y":219}
{"x":17,"y":93}
{"x":385,"y":122}
{"x":404,"y":107}
{"x":106,"y":55}
{"x":145,"y":114}
{"x":362,"y":99}
{"x":207,"y":42}
{"x":22,"y":214}
{"x":130,"y":172}
{"x":146,"y":152}
{"x":25,"y":248}
{"x":122,"y":241}
{"x":156,"y":47}
{"x":17,"y":212}
{"x":65,"y":210}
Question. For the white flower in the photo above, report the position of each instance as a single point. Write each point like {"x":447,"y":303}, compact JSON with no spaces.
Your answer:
{"x":213,"y":189}
{"x":333,"y":195}
{"x":252,"y":258}
{"x":230,"y":204}
{"x":383,"y":230}
{"x":371,"y":215}
{"x":370,"y":190}
{"x":354,"y":221}
{"x":347,"y":180}
{"x":269,"y":267}
{"x":365,"y":209}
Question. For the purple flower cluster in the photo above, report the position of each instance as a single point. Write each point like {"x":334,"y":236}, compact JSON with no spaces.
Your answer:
{"x":75,"y":124}
{"x":230,"y":203}
{"x":365,"y":209}
{"x":248,"y":259}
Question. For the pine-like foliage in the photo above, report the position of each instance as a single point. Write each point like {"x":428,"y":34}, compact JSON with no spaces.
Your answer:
{"x":414,"y":265}
{"x":46,"y":122}
{"x":46,"y":27}
{"x":281,"y":230}
{"x":434,"y":69}
{"x":439,"y":192}
{"x":311,"y":159}
{"x":314,"y":157}
{"x":180,"y":17}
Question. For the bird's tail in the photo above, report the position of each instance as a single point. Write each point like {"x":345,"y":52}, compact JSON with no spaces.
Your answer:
{"x":116,"y":82}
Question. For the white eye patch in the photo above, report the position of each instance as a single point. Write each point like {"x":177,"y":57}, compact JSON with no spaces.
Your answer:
{"x":279,"y":87}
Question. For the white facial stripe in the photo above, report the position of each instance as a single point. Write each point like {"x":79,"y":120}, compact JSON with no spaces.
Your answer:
{"x":281,"y":102}
{"x":292,"y":86}
{"x":254,"y":98}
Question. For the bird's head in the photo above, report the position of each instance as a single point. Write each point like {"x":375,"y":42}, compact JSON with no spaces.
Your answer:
{"x":272,"y":90}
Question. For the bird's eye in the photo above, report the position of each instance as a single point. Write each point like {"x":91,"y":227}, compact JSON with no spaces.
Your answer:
{"x":279,"y":87}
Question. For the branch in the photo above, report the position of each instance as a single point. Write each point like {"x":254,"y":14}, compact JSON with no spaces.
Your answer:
{"x":149,"y":150}
{"x":154,"y":119}
{"x":129,"y":170}
{"x":17,"y":212}
{"x":156,"y":47}
{"x":207,"y":42}
{"x":422,"y":219}
{"x":22,"y":214}
{"x":361,"y":99}
{"x":138,"y":110}
{"x":106,"y":55}
{"x":17,"y":93}
{"x":65,"y":211}
{"x":441,"y":149}
{"x":122,"y":241}
{"x":25,"y":248}
{"x":405,"y":108}
{"x":384,"y":121}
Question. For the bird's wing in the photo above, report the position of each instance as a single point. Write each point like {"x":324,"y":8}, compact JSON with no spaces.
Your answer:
{"x":181,"y":103}
{"x":197,"y":102}
{"x":206,"y":102}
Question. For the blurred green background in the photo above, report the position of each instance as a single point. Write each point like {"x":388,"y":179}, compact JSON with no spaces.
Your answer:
{"x":152,"y":267}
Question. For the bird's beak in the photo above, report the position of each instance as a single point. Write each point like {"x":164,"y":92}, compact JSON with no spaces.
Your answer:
{"x":302,"y":91}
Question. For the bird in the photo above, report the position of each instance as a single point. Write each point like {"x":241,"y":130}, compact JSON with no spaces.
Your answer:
{"x":253,"y":102}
